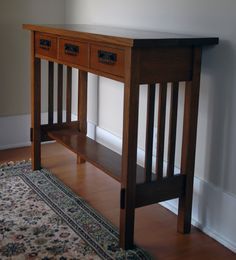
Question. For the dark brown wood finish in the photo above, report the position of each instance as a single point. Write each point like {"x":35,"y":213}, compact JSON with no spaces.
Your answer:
{"x":45,"y":45}
{"x":113,"y":66}
{"x":122,"y":36}
{"x":82,"y":106}
{"x":74,"y":52}
{"x":164,"y":189}
{"x":44,"y":129}
{"x":161,"y":129}
{"x":172,"y":128}
{"x":98,"y":72}
{"x":168,"y":64}
{"x":133,"y":57}
{"x":149,"y":130}
{"x":189,"y":143}
{"x":100,"y":156}
{"x":129,"y":148}
{"x":82,"y":101}
{"x":59,"y":93}
{"x":35,"y":106}
{"x":50,"y":92}
{"x":68,"y":94}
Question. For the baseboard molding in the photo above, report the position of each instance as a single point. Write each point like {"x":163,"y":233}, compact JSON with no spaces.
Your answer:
{"x":15,"y":130}
{"x":213,"y":209}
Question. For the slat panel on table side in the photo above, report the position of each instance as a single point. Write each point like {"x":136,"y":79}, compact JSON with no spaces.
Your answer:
{"x":172,"y":128}
{"x":59,"y":93}
{"x":161,"y":129}
{"x":149,"y":130}
{"x":68,"y":94}
{"x":50,"y":92}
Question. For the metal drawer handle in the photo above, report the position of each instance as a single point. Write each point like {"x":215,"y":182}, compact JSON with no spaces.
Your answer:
{"x":107,"y":57}
{"x":71,"y":49}
{"x":44,"y":44}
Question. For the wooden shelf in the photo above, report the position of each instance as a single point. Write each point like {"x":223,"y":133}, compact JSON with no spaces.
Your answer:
{"x":100,"y":156}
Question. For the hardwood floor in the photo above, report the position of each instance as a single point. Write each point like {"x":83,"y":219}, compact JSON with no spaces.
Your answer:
{"x":155,"y":226}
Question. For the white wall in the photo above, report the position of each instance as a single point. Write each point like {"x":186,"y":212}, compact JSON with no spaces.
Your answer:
{"x":15,"y":49}
{"x":216,"y":144}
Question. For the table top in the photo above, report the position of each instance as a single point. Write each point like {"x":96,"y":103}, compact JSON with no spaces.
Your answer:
{"x":127,"y":37}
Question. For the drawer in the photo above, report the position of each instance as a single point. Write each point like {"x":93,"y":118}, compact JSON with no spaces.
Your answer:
{"x":106,"y":59}
{"x":46,"y":45}
{"x":73,"y":51}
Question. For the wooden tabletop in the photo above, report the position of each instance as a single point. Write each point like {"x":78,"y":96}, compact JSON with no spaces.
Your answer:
{"x":123,"y":36}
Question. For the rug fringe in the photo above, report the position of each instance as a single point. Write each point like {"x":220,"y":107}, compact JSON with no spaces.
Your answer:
{"x":14,"y":163}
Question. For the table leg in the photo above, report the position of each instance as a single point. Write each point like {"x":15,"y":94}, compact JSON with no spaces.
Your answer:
{"x":189,"y":144}
{"x":129,"y":153}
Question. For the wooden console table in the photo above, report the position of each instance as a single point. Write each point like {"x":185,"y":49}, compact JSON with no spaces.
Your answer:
{"x":133,"y":57}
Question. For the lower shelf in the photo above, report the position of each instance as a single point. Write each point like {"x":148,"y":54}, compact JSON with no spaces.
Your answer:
{"x":95,"y":153}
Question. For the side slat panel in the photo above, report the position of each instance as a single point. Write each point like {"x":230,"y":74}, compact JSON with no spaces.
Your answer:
{"x":68,"y":94}
{"x":172,"y":128}
{"x":50,"y":91}
{"x":82,"y":99}
{"x":149,"y":131}
{"x":161,"y":129}
{"x":59,"y":93}
{"x":82,"y":105}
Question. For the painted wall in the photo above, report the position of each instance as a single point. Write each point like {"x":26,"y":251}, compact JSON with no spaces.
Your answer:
{"x":14,"y":50}
{"x":216,"y":146}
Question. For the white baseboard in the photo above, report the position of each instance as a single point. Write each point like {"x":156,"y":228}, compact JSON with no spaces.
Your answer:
{"x":213,"y":209}
{"x":15,"y":130}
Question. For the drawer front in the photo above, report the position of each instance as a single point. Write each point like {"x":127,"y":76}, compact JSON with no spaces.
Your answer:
{"x":46,"y":45}
{"x":106,"y":59}
{"x":74,"y":52}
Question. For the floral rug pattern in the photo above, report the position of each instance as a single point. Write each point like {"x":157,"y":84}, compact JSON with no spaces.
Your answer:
{"x":42,"y":219}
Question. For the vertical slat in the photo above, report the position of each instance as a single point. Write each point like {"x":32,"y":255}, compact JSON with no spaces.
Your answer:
{"x":59,"y":93}
{"x":129,"y":149}
{"x":149,"y":131}
{"x":161,"y":129}
{"x":189,"y":143}
{"x":35,"y":107}
{"x":50,"y":91}
{"x":82,"y":105}
{"x":82,"y":101}
{"x":172,"y":128}
{"x":68,"y":94}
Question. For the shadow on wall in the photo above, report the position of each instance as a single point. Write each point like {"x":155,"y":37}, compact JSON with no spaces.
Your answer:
{"x":221,"y":124}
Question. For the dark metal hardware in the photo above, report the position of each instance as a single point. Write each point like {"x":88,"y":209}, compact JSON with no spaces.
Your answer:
{"x":31,"y":134}
{"x":107,"y":57}
{"x":44,"y":44}
{"x":122,"y":198}
{"x":71,"y":49}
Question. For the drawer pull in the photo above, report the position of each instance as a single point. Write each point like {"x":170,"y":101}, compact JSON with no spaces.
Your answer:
{"x":106,"y":57}
{"x":44,"y":44}
{"x":71,"y":49}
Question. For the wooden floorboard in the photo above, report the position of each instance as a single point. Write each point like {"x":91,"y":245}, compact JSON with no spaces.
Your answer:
{"x":155,"y":226}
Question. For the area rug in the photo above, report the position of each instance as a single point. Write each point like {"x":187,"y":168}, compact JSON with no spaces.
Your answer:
{"x":43,"y":219}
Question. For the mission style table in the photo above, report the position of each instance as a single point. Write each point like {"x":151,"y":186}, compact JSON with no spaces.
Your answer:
{"x":133,"y":57}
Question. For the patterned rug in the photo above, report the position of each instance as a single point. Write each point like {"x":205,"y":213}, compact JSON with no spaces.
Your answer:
{"x":42,"y":219}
